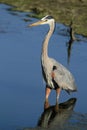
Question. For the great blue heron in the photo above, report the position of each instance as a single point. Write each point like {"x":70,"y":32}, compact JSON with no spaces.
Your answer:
{"x":55,"y":74}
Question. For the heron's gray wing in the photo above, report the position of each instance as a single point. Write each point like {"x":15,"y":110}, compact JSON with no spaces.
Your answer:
{"x":63,"y":77}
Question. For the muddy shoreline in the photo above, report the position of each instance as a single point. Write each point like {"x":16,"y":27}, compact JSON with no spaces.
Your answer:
{"x":63,"y":11}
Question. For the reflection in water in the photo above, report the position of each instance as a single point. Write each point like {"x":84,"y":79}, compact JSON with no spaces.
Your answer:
{"x":71,"y":40}
{"x":57,"y":115}
{"x":69,"y":48}
{"x":61,"y":117}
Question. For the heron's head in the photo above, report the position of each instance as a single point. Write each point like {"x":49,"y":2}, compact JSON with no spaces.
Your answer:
{"x":45,"y":20}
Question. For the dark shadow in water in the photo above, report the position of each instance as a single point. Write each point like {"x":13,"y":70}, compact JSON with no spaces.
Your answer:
{"x":69,"y":49}
{"x":55,"y":116}
{"x":69,"y":46}
{"x":71,"y":40}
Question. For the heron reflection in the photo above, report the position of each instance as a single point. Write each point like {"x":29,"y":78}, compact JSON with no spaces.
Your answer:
{"x":56,"y":116}
{"x":69,"y":49}
{"x":71,"y":40}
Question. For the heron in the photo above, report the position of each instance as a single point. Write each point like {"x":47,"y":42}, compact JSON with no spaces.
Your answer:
{"x":56,"y":76}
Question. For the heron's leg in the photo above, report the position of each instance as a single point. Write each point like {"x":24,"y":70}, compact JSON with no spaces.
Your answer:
{"x":47,"y":93}
{"x":58,"y":90}
{"x":46,"y":104}
{"x":56,"y":108}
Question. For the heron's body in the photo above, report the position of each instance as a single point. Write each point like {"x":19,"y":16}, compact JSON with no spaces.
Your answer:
{"x":55,"y":74}
{"x":62,"y":77}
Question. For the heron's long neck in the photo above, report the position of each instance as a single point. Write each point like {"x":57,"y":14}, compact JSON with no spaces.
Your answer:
{"x":46,"y":41}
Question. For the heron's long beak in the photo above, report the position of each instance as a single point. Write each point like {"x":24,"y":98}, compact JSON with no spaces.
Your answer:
{"x":36,"y":23}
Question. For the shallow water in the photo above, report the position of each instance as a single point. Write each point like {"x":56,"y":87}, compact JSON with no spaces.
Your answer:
{"x":21,"y":83}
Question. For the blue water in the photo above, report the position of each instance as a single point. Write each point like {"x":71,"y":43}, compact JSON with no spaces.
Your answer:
{"x":21,"y":84}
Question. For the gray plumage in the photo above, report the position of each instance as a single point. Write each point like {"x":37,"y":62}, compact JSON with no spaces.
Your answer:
{"x":62,"y":78}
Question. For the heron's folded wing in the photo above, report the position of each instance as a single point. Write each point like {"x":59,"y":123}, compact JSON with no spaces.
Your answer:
{"x":64,"y":78}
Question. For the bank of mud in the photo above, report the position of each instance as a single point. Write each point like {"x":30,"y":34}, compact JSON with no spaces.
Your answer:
{"x":63,"y":11}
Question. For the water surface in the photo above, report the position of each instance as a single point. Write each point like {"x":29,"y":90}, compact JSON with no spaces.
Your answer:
{"x":21,"y":83}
